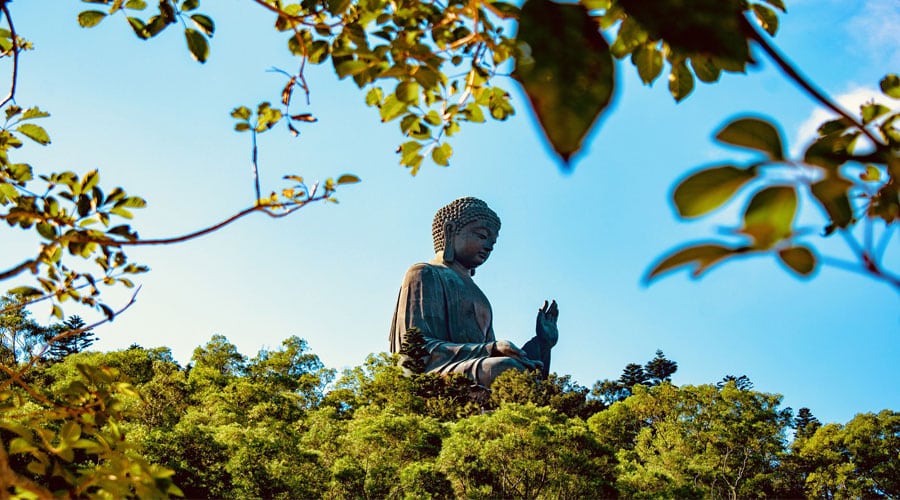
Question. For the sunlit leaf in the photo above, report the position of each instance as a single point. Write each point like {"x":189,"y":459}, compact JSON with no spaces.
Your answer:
{"x":705,"y":69}
{"x":197,"y":44}
{"x":871,"y":174}
{"x":649,"y":62}
{"x":205,"y":23}
{"x":832,"y":193}
{"x":34,"y":132}
{"x":441,"y":154}
{"x":890,"y":85}
{"x":778,"y":4}
{"x":769,"y":217}
{"x":753,"y":133}
{"x":700,"y":258}
{"x":767,"y":18}
{"x":798,"y":259}
{"x":708,"y":189}
{"x":681,"y":81}
{"x":568,"y":75}
{"x":347,"y":179}
{"x":90,"y":18}
{"x":873,"y":111}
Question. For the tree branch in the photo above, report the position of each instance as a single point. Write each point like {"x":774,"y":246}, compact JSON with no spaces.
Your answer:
{"x":14,"y":271}
{"x":802,"y":81}
{"x":15,"y":53}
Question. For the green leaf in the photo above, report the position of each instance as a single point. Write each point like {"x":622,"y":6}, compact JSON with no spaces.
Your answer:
{"x":596,"y":4}
{"x":136,"y":4}
{"x":871,"y":174}
{"x":347,"y":179}
{"x":47,"y":230}
{"x":705,"y":68}
{"x":350,"y":67}
{"x":649,"y":62}
{"x":569,"y":75}
{"x":139,"y":28}
{"x":70,"y":432}
{"x":441,"y":154}
{"x":90,"y":18}
{"x":189,"y":5}
{"x":337,"y":7}
{"x":711,"y":27}
{"x":408,"y":92}
{"x":832,"y":193}
{"x":700,"y":257}
{"x":799,"y":259}
{"x":708,"y":189}
{"x":767,"y":18}
{"x":392,"y":108}
{"x":873,"y":111}
{"x":241,"y":113}
{"x":21,"y":445}
{"x":34,"y":112}
{"x":890,"y":85}
{"x":34,"y":132}
{"x":205,"y":23}
{"x":25,"y":291}
{"x":374,"y":96}
{"x":681,"y":81}
{"x":753,"y":133}
{"x":197,"y":45}
{"x":778,"y":4}
{"x":769,"y":217}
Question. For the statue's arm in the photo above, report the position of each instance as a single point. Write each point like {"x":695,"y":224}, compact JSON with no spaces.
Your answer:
{"x":422,"y":304}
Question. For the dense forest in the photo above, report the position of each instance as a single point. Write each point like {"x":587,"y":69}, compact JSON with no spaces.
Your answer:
{"x":282,"y":425}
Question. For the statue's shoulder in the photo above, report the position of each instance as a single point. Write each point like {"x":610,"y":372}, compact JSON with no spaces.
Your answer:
{"x":427,"y":271}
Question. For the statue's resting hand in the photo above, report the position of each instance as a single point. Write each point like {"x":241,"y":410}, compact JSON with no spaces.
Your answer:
{"x":508,"y":349}
{"x":545,"y":327}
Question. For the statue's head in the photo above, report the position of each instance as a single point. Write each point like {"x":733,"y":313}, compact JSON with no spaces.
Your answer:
{"x":459,"y":215}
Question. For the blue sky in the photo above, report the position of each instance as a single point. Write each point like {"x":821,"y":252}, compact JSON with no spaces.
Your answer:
{"x":156,"y":123}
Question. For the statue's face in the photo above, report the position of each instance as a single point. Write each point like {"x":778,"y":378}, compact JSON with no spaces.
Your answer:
{"x":473,"y":243}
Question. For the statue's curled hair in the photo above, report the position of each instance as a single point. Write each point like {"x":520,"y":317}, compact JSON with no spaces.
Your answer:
{"x":461,"y":212}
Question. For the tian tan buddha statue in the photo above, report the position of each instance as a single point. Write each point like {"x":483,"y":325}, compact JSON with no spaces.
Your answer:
{"x":444,"y":303}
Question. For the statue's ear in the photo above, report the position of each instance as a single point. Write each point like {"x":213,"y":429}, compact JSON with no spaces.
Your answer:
{"x":448,"y":243}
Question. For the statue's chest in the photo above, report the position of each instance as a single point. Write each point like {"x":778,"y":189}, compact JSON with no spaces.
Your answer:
{"x":474,"y":309}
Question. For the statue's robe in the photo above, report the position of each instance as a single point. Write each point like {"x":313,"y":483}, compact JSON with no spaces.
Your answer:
{"x":455,"y":319}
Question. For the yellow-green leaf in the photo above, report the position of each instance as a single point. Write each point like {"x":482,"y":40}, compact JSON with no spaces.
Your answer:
{"x":699,"y":258}
{"x":769,"y":217}
{"x":34,"y":132}
{"x":90,"y":18}
{"x":753,"y":133}
{"x":347,"y":179}
{"x":681,"y":81}
{"x":708,"y":189}
{"x":197,"y":44}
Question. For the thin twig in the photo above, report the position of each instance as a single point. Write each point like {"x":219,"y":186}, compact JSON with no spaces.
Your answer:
{"x":883,"y":242}
{"x":15,"y":376}
{"x":15,"y":53}
{"x":802,"y":81}
{"x":254,"y":156}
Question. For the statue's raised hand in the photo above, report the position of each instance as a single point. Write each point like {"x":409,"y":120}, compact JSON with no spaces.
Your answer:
{"x":545,"y":327}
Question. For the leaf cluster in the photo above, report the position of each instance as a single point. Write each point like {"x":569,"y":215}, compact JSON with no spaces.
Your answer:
{"x":850,"y":171}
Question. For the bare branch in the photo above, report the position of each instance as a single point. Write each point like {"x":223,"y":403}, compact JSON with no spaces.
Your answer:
{"x":15,"y":54}
{"x":804,"y":82}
